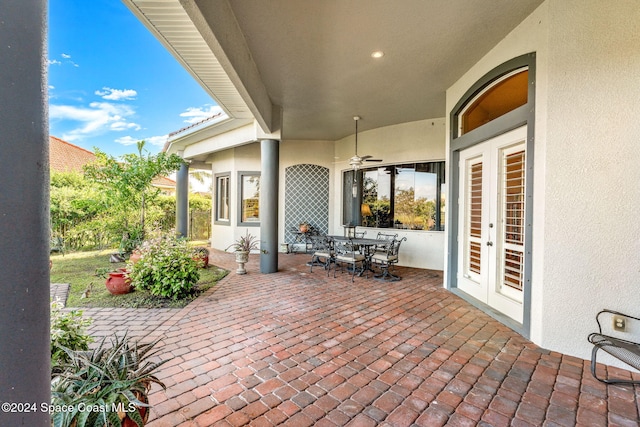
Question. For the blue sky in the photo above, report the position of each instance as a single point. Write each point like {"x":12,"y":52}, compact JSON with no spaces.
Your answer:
{"x":111,"y":83}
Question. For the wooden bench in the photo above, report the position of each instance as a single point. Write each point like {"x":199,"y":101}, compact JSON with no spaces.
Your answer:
{"x":622,"y":349}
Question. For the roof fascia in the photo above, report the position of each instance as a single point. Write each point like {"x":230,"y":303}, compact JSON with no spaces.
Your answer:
{"x":219,"y":28}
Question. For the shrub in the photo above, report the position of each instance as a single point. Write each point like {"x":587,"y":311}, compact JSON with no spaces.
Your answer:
{"x":67,"y":331}
{"x":166,"y":268}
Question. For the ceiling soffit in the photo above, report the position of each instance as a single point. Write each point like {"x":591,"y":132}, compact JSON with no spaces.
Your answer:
{"x":312,"y":58}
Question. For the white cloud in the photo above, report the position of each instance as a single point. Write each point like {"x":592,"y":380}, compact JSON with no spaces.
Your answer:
{"x":66,"y":56}
{"x":158,"y":141}
{"x":98,"y":118}
{"x":197,"y":114}
{"x":54,"y":62}
{"x":116,"y":94}
{"x":121,"y":125}
{"x":127,"y":140}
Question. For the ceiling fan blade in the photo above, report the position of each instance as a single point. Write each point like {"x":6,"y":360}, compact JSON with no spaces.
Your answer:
{"x":373,"y":160}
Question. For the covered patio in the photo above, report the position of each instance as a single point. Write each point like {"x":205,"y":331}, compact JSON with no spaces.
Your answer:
{"x":298,"y":348}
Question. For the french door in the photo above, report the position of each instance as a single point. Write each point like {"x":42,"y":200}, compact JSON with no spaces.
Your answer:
{"x":491,"y":222}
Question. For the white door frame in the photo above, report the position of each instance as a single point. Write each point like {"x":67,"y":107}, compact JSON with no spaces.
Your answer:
{"x":482,"y":226}
{"x":524,"y":115}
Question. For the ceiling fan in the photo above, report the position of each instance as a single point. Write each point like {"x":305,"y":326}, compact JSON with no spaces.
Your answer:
{"x":357,"y":161}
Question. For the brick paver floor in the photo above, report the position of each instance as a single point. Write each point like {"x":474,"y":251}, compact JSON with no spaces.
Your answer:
{"x":296,"y":348}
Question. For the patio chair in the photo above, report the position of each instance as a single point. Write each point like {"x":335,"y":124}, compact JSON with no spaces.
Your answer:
{"x":622,"y":349}
{"x":387,"y":259}
{"x":346,"y":254}
{"x":56,"y":245}
{"x":385,"y":239}
{"x":321,"y":253}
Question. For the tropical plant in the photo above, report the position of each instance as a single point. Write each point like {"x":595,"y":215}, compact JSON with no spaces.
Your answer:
{"x":128,"y":180}
{"x":68,"y":331}
{"x":131,"y":239}
{"x":245,"y":243}
{"x":201,"y":255}
{"x":166,"y":268}
{"x":103,"y":386}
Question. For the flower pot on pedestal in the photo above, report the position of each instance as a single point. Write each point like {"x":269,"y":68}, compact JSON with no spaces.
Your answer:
{"x":242,"y":257}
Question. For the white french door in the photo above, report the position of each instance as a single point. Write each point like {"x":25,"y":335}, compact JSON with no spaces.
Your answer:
{"x":491,"y":222}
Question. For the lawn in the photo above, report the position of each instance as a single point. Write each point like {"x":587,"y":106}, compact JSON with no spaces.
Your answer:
{"x":78,"y":269}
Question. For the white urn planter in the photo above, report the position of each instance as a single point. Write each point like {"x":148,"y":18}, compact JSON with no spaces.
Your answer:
{"x":242,"y":257}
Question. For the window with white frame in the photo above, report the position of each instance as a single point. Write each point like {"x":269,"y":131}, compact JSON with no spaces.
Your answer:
{"x":249,"y":198}
{"x":222,"y":199}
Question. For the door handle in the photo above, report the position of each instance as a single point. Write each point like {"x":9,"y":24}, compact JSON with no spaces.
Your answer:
{"x":489,"y":243}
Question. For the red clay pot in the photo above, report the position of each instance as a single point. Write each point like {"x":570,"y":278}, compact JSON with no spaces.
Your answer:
{"x":117,"y":283}
{"x":135,"y":257}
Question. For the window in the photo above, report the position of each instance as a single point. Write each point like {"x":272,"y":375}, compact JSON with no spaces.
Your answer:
{"x":506,"y":94}
{"x":222,"y":199}
{"x":407,"y":196}
{"x":249,"y":190}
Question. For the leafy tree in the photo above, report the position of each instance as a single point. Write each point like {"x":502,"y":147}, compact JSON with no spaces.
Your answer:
{"x":127,"y":181}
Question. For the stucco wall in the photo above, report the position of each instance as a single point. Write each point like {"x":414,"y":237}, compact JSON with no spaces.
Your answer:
{"x":592,"y":158}
{"x":409,"y":142}
{"x":586,"y":198}
{"x":419,"y":141}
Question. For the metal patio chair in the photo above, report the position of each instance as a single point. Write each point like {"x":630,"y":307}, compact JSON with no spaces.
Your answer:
{"x":322,"y":253}
{"x":346,"y":254}
{"x":622,"y":349}
{"x":386,"y":260}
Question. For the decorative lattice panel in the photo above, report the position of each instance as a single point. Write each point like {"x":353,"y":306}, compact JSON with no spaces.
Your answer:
{"x":306,"y":198}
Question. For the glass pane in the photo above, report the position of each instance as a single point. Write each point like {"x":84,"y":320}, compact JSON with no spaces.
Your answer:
{"x":426,"y":193}
{"x":404,"y":192}
{"x":376,"y":197}
{"x":347,"y":198}
{"x":500,"y":98}
{"x":250,"y":208}
{"x":222,"y":190}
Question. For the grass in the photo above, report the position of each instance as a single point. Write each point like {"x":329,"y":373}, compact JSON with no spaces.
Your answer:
{"x":78,"y":269}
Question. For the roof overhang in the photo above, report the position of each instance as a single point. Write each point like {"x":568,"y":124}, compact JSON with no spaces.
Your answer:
{"x":312,"y":61}
{"x":206,"y":39}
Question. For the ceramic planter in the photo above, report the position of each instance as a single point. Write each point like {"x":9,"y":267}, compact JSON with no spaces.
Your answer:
{"x":242,"y":257}
{"x":117,"y":283}
{"x":135,"y":257}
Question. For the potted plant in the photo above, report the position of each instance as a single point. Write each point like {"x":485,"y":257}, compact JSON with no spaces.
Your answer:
{"x":135,"y":256}
{"x":105,"y":386}
{"x":131,"y":239}
{"x":118,"y":281}
{"x":201,"y":255}
{"x":242,"y":247}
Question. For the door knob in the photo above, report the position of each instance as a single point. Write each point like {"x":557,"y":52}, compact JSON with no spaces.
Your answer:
{"x":489,"y":243}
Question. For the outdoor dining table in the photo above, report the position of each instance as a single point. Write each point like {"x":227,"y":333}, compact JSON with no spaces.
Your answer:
{"x":366,"y":244}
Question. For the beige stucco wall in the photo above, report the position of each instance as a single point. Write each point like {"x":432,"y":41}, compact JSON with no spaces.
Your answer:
{"x":418,"y":141}
{"x":586,"y":192}
{"x":408,"y":142}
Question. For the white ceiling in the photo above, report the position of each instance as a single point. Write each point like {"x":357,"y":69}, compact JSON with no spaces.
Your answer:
{"x":312,"y":57}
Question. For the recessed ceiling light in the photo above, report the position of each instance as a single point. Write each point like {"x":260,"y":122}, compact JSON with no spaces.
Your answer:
{"x":377,"y":54}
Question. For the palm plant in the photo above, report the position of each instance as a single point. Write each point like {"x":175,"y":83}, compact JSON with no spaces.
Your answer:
{"x":245,"y":243}
{"x":106,"y":386}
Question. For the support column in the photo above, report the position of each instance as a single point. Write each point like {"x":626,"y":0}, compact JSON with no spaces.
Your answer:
{"x":182,"y":200}
{"x":270,"y":155}
{"x":24,"y":212}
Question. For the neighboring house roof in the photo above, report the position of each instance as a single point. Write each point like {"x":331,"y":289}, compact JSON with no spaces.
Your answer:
{"x":66,"y":157}
{"x":164,"y":182}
